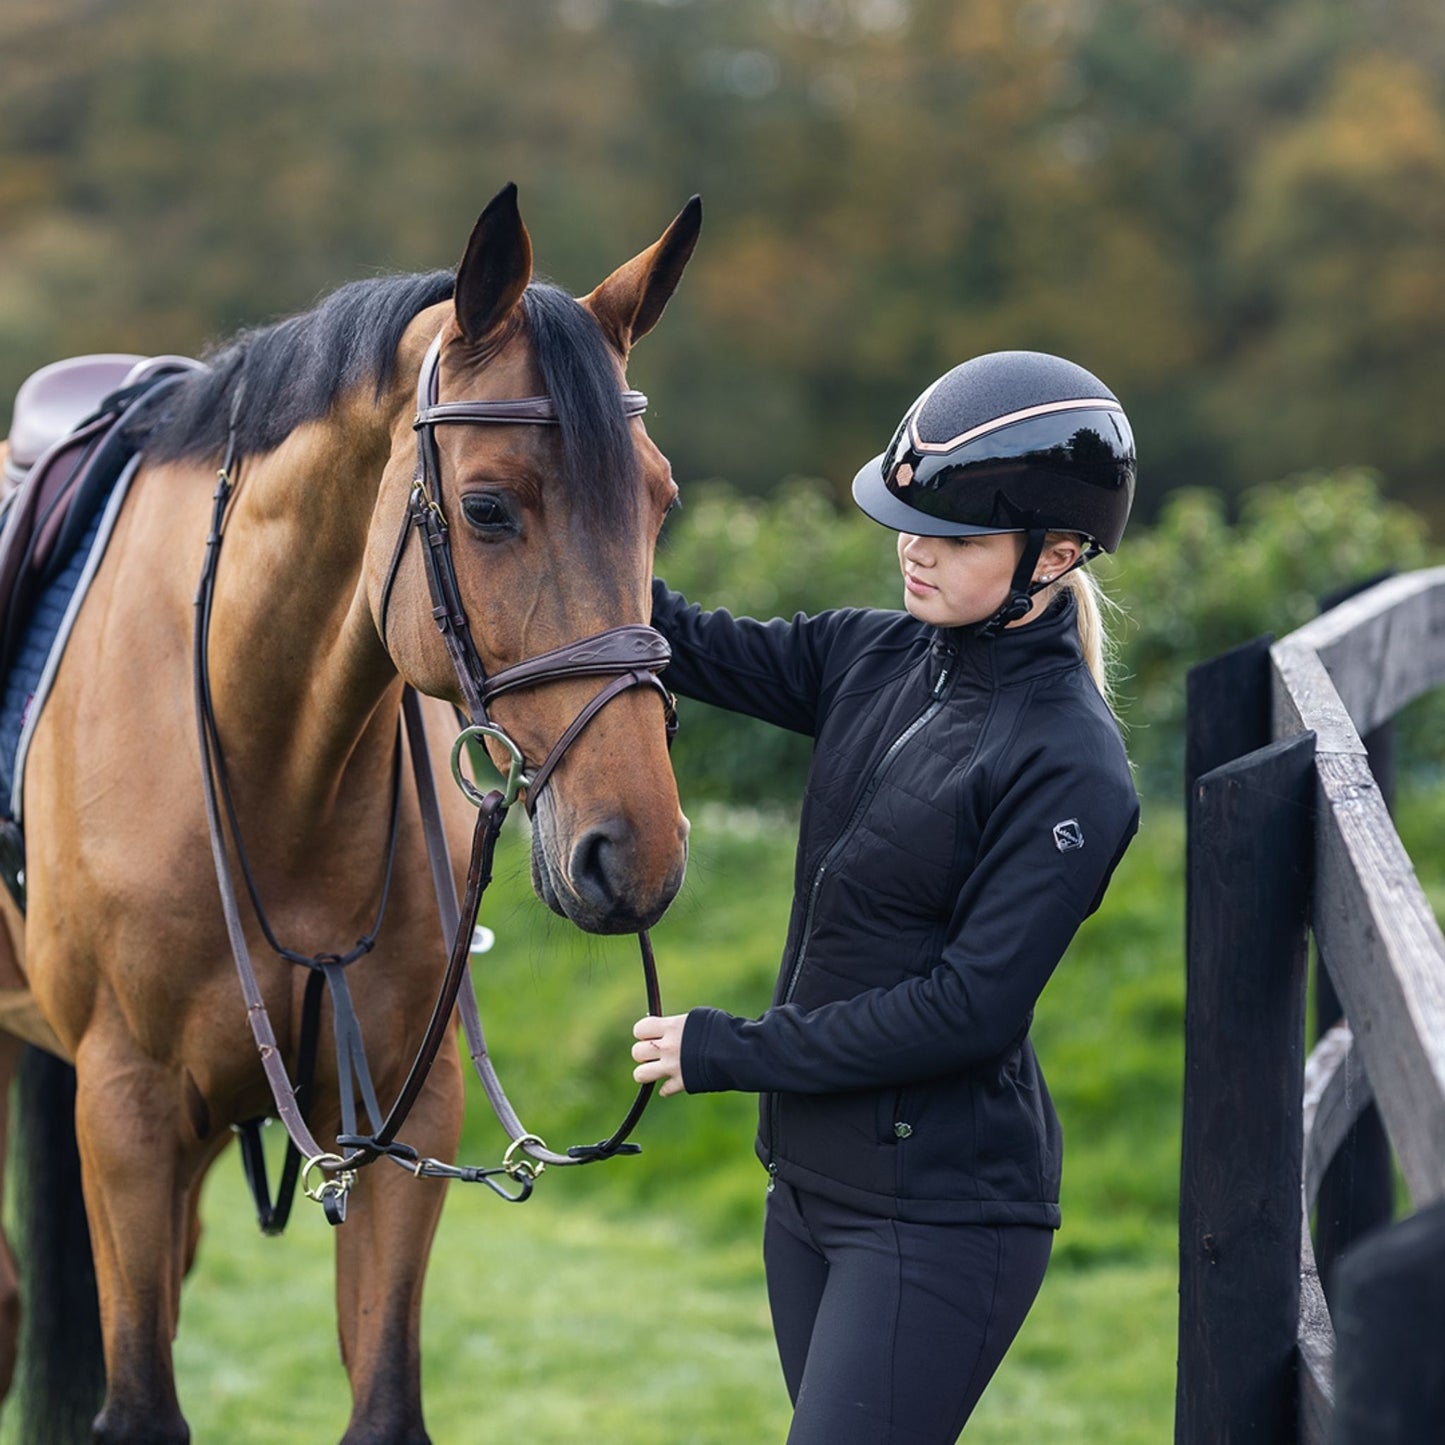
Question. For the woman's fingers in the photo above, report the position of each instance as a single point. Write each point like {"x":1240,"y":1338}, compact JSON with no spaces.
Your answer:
{"x":658,"y":1052}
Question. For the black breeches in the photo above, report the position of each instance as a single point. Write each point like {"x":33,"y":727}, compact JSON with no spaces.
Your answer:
{"x":889,"y":1331}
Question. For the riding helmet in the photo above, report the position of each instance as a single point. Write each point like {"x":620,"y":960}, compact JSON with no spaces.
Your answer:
{"x":1014,"y":441}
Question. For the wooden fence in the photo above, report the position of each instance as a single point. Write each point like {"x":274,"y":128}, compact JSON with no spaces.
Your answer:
{"x":1290,"y":836}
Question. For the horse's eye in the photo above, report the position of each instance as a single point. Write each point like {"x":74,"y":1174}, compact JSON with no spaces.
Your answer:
{"x":488,"y":514}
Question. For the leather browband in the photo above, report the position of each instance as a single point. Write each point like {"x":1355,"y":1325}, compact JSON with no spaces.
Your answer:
{"x":524,"y":410}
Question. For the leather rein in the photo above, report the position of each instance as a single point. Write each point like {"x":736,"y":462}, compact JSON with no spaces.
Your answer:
{"x":629,"y":656}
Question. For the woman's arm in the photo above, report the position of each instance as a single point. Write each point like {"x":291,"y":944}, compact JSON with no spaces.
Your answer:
{"x":769,"y":670}
{"x":1018,"y":912}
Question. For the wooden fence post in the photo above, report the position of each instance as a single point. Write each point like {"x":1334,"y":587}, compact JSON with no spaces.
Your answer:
{"x":1390,"y":1375}
{"x":1227,"y":708}
{"x":1250,"y":847}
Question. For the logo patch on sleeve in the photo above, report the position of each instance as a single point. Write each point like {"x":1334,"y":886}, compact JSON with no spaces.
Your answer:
{"x":1068,"y":835}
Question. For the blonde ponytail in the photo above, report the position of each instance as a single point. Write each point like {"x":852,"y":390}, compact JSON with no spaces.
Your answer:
{"x":1091,"y":603}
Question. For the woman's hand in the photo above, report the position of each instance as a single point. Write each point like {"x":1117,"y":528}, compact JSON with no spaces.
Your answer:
{"x":658,"y":1052}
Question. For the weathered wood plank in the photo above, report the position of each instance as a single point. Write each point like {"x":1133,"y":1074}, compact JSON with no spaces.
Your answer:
{"x":1356,"y":1192}
{"x":1305,"y":699}
{"x":1387,"y":956}
{"x":1337,"y":1091}
{"x":1316,"y":1352}
{"x":1383,"y":648}
{"x":1249,"y":850}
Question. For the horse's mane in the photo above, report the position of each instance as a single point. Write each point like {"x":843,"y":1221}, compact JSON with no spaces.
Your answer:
{"x":294,"y":370}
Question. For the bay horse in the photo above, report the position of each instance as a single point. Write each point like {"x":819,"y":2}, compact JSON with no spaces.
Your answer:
{"x":321,"y":613}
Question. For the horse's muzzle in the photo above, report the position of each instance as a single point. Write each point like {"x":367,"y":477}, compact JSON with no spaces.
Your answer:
{"x":604,"y":886}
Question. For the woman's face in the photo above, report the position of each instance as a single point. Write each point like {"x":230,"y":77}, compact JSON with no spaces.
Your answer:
{"x":954,"y":581}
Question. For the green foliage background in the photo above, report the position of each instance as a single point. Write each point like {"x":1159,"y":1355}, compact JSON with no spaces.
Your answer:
{"x":1206,"y":576}
{"x":1232,"y":212}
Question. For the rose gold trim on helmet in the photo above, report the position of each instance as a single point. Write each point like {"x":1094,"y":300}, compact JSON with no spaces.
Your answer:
{"x":1095,"y":403}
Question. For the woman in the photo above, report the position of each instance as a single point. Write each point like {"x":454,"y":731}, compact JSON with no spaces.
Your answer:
{"x":968,"y":799}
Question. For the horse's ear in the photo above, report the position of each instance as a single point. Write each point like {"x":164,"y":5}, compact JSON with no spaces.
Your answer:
{"x":629,"y":302}
{"x":496,"y":268}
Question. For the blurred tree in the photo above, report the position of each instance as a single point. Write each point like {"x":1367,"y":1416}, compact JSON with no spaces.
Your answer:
{"x":1337,"y":244}
{"x":1229,"y":211}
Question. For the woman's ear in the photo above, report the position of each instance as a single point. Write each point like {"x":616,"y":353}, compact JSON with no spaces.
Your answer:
{"x":1058,"y":556}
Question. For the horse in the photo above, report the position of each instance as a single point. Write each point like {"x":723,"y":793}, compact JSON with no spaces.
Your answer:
{"x":320,"y":616}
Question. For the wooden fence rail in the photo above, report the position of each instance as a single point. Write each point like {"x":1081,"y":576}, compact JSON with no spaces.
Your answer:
{"x":1270,"y":857}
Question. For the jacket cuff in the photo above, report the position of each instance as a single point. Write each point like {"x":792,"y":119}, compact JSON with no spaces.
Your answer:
{"x":696,"y":1077}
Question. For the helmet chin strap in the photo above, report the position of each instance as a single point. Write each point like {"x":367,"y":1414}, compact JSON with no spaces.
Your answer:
{"x":1023,"y":588}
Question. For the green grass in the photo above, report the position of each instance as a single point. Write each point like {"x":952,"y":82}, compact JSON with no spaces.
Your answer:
{"x":1420,"y":817}
{"x":559,"y":1324}
{"x":626,"y":1301}
{"x":542,"y":1322}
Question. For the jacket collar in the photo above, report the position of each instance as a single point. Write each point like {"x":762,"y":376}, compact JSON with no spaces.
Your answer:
{"x":1047,"y":644}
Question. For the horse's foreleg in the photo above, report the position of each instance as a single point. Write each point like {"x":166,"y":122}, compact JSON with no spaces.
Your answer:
{"x":129,"y":1128}
{"x":380,"y":1263}
{"x":10,"y":1049}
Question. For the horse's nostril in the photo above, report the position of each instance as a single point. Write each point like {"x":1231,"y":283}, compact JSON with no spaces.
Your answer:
{"x":598,"y":864}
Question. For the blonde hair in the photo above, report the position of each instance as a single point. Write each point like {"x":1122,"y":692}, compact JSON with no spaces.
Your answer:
{"x":1092,"y":604}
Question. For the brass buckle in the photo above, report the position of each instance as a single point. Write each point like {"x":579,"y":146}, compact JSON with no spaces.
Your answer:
{"x":337,"y":1188}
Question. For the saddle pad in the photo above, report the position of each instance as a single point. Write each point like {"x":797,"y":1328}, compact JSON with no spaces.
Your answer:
{"x":37,"y":657}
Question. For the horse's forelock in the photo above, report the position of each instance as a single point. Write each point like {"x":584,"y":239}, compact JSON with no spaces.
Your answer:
{"x":579,"y":372}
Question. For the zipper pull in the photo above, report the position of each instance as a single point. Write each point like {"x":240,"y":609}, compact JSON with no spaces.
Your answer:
{"x":949,"y":655}
{"x":772,"y":1177}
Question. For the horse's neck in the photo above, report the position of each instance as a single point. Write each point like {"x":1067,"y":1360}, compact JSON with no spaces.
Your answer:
{"x":298,"y":672}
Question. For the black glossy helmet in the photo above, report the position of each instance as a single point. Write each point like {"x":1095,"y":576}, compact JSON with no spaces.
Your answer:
{"x":1015,"y":441}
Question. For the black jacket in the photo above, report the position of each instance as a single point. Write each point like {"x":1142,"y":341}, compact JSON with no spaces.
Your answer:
{"x":966,"y":805}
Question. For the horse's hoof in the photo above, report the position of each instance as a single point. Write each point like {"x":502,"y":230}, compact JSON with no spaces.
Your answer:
{"x":129,"y":1427}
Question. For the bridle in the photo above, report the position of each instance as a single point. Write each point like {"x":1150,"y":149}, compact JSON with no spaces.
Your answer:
{"x":629,"y":656}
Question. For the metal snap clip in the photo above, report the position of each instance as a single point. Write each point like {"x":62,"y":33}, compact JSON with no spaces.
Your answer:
{"x":523,"y":1168}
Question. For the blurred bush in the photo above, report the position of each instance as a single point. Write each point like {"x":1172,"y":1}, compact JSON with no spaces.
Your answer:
{"x":1199,"y":582}
{"x":1193,"y":585}
{"x":792,"y":551}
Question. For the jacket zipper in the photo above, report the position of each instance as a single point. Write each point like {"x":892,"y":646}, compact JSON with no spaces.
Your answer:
{"x":935,"y":702}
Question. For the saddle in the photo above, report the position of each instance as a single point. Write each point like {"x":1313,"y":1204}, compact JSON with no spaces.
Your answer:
{"x":66,"y":451}
{"x":69,"y":444}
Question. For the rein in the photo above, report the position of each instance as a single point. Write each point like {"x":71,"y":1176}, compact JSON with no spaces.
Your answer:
{"x":630,"y":655}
